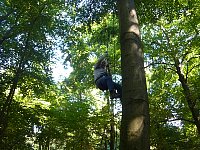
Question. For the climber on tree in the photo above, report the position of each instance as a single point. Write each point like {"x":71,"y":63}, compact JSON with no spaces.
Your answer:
{"x":103,"y":80}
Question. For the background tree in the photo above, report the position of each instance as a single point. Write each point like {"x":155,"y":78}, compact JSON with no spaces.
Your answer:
{"x":171,"y":47}
{"x":25,"y":62}
{"x":172,"y":98}
{"x":72,"y":114}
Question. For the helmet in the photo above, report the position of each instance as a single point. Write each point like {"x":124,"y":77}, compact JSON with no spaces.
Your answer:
{"x":104,"y":63}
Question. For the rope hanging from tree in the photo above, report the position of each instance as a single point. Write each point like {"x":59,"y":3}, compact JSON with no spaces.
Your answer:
{"x":107,"y":46}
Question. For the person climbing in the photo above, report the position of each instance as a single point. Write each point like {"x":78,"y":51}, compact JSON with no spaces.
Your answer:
{"x":103,"y":79}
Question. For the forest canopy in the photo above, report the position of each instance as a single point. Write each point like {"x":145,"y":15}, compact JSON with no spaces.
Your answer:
{"x":37,"y":112}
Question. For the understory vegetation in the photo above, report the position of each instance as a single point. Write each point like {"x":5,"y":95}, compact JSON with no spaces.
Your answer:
{"x":39,"y":112}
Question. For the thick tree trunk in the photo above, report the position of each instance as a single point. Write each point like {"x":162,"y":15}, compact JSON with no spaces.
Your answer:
{"x":135,"y":107}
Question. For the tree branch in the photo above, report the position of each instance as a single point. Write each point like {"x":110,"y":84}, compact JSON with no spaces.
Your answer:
{"x":176,"y":119}
{"x":192,"y":68}
{"x":162,"y":63}
{"x":181,"y":119}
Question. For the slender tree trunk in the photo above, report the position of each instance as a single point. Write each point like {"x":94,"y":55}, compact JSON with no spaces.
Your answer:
{"x":135,"y":108}
{"x":190,"y":100}
{"x":112,"y":129}
{"x":4,"y":113}
{"x":6,"y":107}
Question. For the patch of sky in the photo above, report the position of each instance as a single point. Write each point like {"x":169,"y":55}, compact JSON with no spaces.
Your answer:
{"x":60,"y":70}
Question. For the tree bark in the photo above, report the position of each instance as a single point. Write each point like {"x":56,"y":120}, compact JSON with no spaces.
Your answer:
{"x":187,"y":93}
{"x":4,"y":112}
{"x":135,"y":108}
{"x":112,"y":128}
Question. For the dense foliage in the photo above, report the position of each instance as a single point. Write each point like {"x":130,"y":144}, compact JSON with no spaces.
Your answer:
{"x":37,"y":112}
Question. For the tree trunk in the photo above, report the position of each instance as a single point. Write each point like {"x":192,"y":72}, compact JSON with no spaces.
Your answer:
{"x":6,"y":106}
{"x":4,"y":112}
{"x":135,"y":108}
{"x":112,"y":129}
{"x":190,"y":100}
